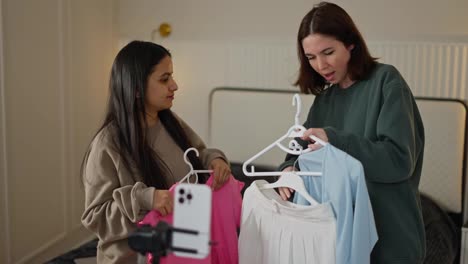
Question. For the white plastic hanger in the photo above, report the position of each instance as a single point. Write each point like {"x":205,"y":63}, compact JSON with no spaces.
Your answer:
{"x":192,"y":171}
{"x":290,"y":179}
{"x":298,"y":130}
{"x":295,"y":148}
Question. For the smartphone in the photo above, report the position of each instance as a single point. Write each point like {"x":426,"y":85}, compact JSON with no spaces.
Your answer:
{"x":192,"y":211}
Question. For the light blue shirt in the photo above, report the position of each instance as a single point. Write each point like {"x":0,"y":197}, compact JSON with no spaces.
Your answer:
{"x":343,"y":185}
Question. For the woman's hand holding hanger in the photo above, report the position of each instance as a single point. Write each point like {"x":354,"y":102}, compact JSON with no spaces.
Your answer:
{"x":221,"y":172}
{"x":285,"y":192}
{"x":318,"y":132}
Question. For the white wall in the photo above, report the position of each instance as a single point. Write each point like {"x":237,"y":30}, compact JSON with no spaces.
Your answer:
{"x":278,"y":19}
{"x":56,"y":60}
{"x":249,"y":43}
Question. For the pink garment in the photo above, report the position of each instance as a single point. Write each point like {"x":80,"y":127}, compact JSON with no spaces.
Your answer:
{"x":226,"y":212}
{"x":225,"y":220}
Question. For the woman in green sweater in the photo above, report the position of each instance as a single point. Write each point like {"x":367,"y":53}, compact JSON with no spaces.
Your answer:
{"x":137,"y":154}
{"x":366,"y":109}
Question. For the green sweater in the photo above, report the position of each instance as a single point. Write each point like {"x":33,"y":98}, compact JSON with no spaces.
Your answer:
{"x":377,"y":121}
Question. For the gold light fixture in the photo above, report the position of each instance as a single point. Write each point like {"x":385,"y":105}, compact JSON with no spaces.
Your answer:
{"x":165,"y":30}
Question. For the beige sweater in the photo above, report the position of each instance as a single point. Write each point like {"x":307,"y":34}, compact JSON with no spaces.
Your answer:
{"x":114,"y":201}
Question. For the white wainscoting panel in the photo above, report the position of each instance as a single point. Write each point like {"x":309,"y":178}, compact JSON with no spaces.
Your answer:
{"x":4,"y":218}
{"x":55,"y":58}
{"x":432,"y":69}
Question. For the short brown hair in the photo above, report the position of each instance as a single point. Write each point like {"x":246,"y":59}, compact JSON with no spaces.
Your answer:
{"x":331,"y":20}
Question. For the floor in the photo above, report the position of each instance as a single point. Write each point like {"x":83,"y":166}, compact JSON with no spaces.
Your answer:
{"x":85,"y":261}
{"x":84,"y":254}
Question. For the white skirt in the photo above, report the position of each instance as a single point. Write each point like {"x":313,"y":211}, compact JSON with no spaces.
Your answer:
{"x":276,"y":231}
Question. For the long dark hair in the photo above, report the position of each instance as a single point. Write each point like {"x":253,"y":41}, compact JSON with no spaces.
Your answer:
{"x":331,"y":20}
{"x":130,"y":71}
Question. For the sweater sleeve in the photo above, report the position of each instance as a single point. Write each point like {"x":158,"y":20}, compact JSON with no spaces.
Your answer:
{"x":111,"y":207}
{"x":391,"y":157}
{"x":206,"y":154}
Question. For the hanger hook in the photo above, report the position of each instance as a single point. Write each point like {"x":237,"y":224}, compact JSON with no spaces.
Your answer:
{"x":297,"y":102}
{"x":187,"y":161}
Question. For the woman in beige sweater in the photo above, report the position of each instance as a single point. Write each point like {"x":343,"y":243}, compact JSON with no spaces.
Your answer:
{"x":137,"y":154}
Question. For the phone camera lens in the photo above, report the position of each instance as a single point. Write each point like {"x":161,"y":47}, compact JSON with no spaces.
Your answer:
{"x":181,"y":191}
{"x":181,"y":200}
{"x":189,"y":196}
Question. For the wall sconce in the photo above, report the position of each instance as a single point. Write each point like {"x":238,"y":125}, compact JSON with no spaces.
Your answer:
{"x":164,"y":30}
